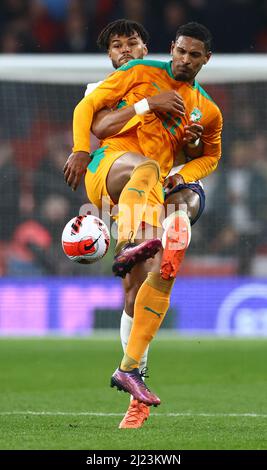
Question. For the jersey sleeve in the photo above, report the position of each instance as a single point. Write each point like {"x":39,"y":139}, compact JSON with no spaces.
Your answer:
{"x":107,"y":94}
{"x":202,"y":166}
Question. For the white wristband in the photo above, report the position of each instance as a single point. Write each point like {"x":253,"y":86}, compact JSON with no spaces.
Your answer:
{"x":141,"y":107}
{"x":194,"y":144}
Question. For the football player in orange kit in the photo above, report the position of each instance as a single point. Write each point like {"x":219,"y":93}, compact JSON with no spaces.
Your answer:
{"x":125,"y":40}
{"x":190,"y":51}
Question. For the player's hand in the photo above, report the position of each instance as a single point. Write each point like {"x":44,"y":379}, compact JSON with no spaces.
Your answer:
{"x":75,"y":167}
{"x":167,"y":102}
{"x":192,"y":132}
{"x":172,"y":181}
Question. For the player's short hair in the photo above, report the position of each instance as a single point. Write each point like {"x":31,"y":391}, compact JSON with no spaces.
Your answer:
{"x":197,"y":31}
{"x":121,"y":27}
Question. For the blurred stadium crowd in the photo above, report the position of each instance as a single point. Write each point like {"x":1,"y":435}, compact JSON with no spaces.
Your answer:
{"x":35,"y":136}
{"x":72,"y":26}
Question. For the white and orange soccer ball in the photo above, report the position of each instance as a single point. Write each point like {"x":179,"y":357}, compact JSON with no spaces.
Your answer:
{"x":85,"y":239}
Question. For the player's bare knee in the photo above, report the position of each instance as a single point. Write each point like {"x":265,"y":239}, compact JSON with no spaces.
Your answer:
{"x":192,"y":201}
{"x":186,"y":200}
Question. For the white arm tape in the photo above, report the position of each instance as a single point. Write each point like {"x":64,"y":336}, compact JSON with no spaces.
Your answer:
{"x":194,"y":144}
{"x":141,"y":107}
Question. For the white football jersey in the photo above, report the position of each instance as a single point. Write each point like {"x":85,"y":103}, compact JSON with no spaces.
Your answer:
{"x":91,"y":87}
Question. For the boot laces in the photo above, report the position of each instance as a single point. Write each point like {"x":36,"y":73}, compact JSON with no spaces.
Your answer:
{"x":134,"y":411}
{"x":143,"y":373}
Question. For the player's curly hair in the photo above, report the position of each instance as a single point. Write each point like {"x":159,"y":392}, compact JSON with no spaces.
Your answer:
{"x":121,"y":27}
{"x":197,"y":31}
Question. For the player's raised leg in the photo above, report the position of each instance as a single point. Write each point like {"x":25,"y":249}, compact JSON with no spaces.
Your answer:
{"x":136,"y":176}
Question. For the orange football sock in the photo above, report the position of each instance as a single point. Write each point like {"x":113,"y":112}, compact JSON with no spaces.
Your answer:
{"x":133,"y":199}
{"x":151,"y":305}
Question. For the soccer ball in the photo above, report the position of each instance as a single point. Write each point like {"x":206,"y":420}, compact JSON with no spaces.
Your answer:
{"x":85,"y":239}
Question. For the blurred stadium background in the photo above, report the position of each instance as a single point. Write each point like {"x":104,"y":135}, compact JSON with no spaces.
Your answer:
{"x":48,"y":55}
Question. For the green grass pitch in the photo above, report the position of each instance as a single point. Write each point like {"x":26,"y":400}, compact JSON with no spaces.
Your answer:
{"x":55,"y":394}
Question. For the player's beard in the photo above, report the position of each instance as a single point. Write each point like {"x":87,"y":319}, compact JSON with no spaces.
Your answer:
{"x":116,"y":65}
{"x":182,"y":77}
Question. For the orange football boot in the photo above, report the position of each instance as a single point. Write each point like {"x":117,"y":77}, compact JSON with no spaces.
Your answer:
{"x":135,"y":416}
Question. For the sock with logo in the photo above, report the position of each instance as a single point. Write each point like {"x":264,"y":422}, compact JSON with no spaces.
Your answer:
{"x":151,"y":305}
{"x":125,"y":331}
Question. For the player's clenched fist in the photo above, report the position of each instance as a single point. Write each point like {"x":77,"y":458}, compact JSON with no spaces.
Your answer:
{"x":75,"y":167}
{"x":172,"y":181}
{"x":192,"y":133}
{"x":167,"y":101}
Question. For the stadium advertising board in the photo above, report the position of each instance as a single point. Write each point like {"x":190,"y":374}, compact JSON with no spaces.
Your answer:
{"x":217,"y":306}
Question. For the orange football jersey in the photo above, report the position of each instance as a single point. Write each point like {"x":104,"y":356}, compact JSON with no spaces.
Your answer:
{"x":157,"y":137}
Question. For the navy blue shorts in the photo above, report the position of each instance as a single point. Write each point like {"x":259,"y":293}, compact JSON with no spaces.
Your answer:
{"x":197,"y":188}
